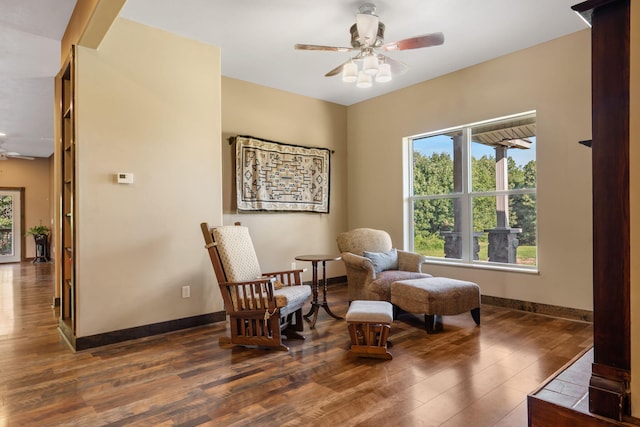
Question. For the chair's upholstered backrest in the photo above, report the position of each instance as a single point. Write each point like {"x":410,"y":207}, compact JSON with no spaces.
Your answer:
{"x":237,"y":255}
{"x":364,"y":239}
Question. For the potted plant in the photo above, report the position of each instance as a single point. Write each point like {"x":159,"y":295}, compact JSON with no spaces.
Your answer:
{"x":38,"y":230}
{"x":40,"y":234}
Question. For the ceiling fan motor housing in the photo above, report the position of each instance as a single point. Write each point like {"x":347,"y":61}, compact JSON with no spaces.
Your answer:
{"x":355,"y":36}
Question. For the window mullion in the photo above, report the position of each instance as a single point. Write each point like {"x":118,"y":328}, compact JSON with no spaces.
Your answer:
{"x":465,"y":204}
{"x":409,"y":206}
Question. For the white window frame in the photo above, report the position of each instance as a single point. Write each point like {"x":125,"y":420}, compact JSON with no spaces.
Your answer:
{"x":466,"y":195}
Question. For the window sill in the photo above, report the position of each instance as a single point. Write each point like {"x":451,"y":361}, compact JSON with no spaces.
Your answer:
{"x":484,"y":266}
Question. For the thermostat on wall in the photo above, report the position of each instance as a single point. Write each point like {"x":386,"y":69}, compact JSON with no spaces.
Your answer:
{"x":124,"y":178}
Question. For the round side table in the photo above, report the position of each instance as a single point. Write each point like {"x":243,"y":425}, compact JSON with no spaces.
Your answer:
{"x":315,"y":284}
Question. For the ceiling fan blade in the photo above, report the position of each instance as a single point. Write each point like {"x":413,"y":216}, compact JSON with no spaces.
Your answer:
{"x":427,"y":40}
{"x":14,"y":155}
{"x":318,"y":47}
{"x":336,"y":70}
{"x":397,"y":67}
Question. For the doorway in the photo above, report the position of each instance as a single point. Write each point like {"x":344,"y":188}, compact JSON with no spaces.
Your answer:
{"x":11,"y":229}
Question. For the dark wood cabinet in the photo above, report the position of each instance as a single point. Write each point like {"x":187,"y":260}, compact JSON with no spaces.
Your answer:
{"x":66,"y":158}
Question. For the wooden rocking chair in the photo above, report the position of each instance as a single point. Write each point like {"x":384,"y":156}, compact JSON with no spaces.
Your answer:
{"x":261,"y":306}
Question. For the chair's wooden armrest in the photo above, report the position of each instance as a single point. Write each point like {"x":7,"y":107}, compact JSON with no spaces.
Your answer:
{"x":249,"y":295}
{"x":275,"y":273}
{"x":286,"y":277}
{"x":256,"y":281}
{"x":357,"y":261}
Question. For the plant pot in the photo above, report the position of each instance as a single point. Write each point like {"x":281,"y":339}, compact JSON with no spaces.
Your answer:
{"x":42,"y":247}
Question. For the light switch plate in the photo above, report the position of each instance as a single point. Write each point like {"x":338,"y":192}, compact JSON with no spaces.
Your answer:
{"x":124,"y":177}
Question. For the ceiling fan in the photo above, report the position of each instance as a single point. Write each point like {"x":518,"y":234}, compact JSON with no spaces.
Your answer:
{"x":367,"y":39}
{"x":6,"y":155}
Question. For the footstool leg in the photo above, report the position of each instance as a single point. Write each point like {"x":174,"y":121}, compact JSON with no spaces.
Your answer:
{"x":433,"y":323}
{"x":369,"y":340}
{"x":438,"y":326}
{"x":475,"y":313}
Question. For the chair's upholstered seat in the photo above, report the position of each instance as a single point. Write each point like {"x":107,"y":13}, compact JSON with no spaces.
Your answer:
{"x":290,"y":298}
{"x":381,"y":286}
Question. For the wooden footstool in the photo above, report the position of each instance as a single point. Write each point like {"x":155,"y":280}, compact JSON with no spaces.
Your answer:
{"x":369,"y":323}
{"x":437,"y":297}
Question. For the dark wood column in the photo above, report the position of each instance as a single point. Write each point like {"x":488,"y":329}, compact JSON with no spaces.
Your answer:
{"x":609,"y":384}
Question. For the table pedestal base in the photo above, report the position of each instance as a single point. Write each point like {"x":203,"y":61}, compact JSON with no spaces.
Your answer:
{"x":315,"y":285}
{"x":315,"y":308}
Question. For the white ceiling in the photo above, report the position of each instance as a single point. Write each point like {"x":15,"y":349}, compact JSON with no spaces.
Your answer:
{"x":256,"y":39}
{"x":30,"y":33}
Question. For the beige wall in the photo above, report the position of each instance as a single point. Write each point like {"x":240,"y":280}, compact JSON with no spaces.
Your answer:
{"x":552,"y":78}
{"x":634,"y":191}
{"x":249,"y":109}
{"x":34,"y":176}
{"x":148,"y":102}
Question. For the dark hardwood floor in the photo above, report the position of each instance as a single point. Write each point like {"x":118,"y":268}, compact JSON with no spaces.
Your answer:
{"x":465,"y":376}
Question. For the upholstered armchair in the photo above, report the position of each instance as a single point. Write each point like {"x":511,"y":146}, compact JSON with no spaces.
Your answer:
{"x":261,"y":306}
{"x":373,"y":265}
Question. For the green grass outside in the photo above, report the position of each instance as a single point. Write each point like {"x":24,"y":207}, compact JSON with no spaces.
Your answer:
{"x":526,"y":255}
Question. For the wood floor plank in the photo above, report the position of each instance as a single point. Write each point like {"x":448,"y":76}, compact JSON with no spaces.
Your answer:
{"x":466,"y":375}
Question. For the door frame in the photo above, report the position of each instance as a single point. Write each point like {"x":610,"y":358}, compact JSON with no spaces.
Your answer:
{"x":23,"y":249}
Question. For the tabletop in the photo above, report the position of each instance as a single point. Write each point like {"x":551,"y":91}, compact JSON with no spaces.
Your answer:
{"x":317,"y":258}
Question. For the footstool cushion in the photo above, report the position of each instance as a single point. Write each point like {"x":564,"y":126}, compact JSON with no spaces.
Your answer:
{"x":369,"y":323}
{"x":437,"y":296}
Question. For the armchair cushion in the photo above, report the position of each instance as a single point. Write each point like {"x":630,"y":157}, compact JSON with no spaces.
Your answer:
{"x":291,"y":298}
{"x":383,"y":260}
{"x":360,"y":239}
{"x":381,"y":285}
{"x":239,"y":259}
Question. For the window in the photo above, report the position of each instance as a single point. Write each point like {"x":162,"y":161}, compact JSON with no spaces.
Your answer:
{"x":472,"y":193}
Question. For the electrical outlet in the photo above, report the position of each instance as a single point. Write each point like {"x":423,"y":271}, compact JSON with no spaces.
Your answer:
{"x":186,"y":291}
{"x":293,"y":265}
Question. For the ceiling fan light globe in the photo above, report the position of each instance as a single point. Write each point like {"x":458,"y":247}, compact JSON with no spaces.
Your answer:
{"x":350,"y":72}
{"x":370,"y":65}
{"x":384,"y":73}
{"x":364,"y":80}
